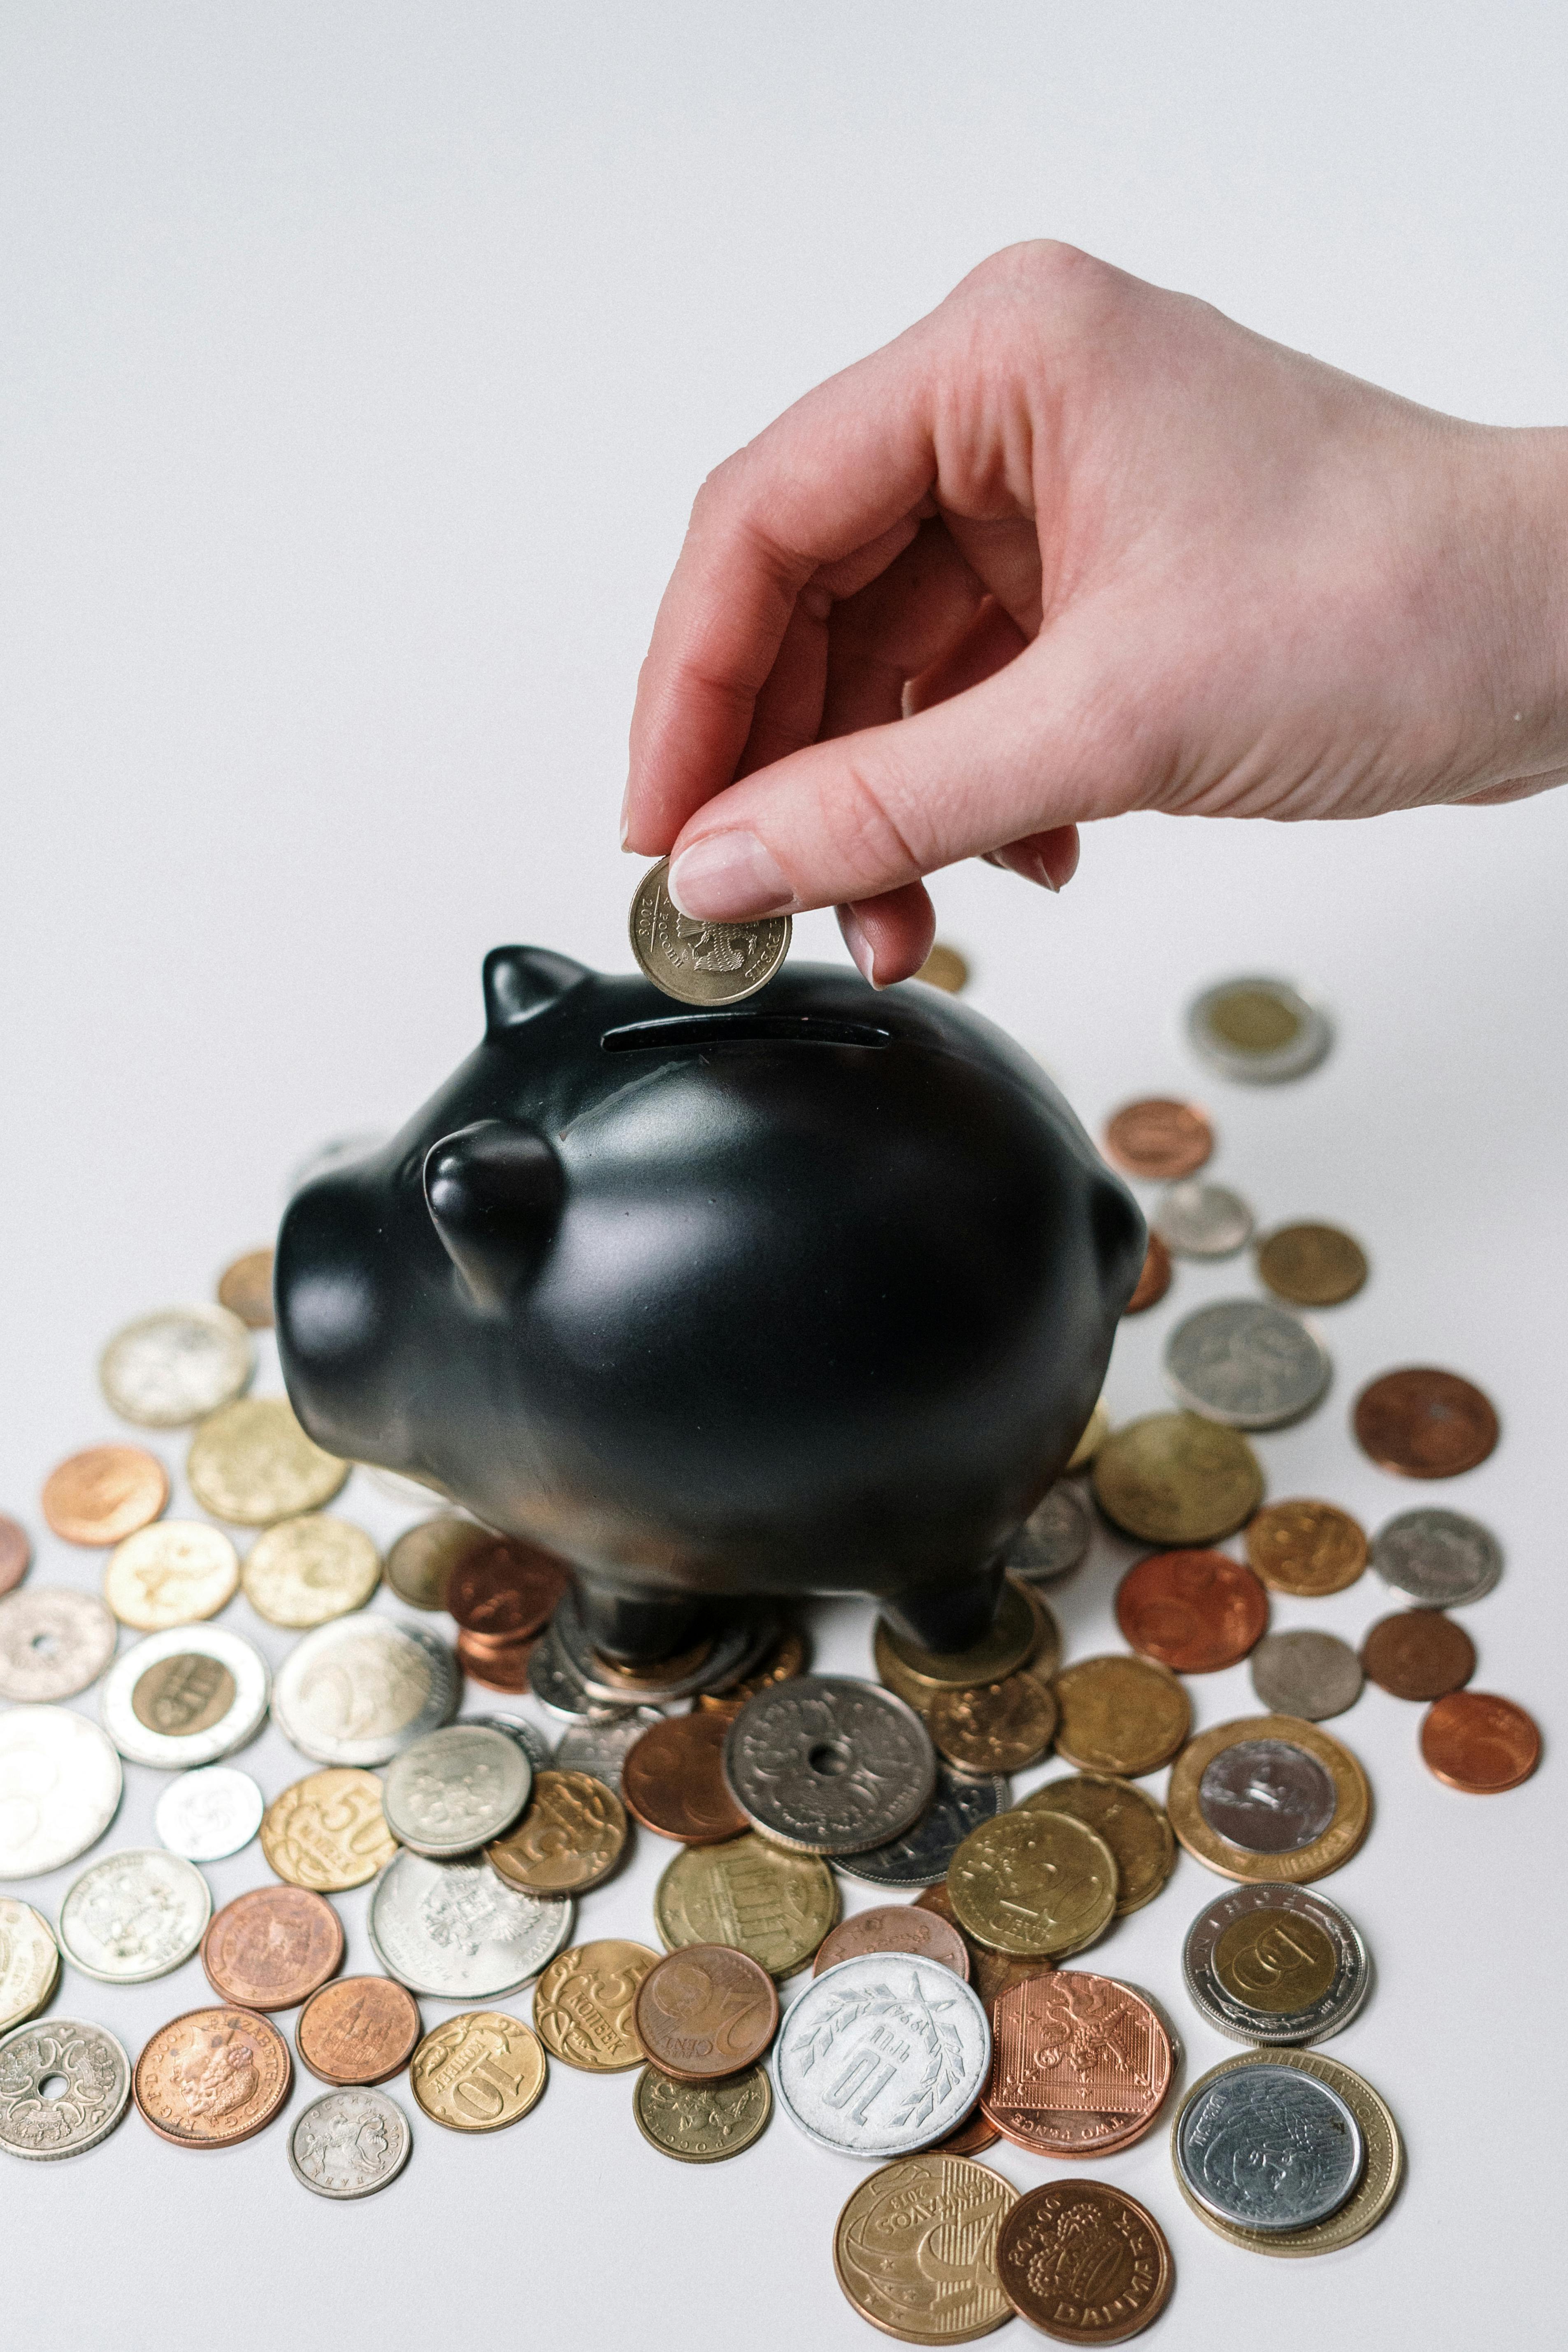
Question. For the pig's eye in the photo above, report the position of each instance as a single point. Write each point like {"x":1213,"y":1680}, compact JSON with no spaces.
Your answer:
{"x":694,"y":1030}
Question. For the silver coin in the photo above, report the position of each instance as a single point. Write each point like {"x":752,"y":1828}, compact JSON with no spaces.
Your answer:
{"x":134,"y":1916}
{"x":528,"y":1736}
{"x":176,"y":1365}
{"x":961,"y":1802}
{"x":91,"y":2063}
{"x":734,"y":1650}
{"x":1258,"y":1029}
{"x":1266,"y":2147}
{"x":185,"y":1698}
{"x":209,"y":1813}
{"x":826,"y":1765}
{"x":451,"y":1930}
{"x":1306,"y":1675}
{"x":1199,"y":1219}
{"x":454,"y":1789}
{"x":1439,"y":1558}
{"x":60,"y":1789}
{"x":699,"y":962}
{"x":350,"y":2144}
{"x":338,"y":1151}
{"x":29,"y":1962}
{"x":1246,"y":1363}
{"x":1299,"y":1977}
{"x":882,"y":2055}
{"x":1054,"y":1538}
{"x":1266,"y":1796}
{"x":558,"y":1687}
{"x":363,"y":1688}
{"x":54,"y":1640}
{"x":601,"y":1748}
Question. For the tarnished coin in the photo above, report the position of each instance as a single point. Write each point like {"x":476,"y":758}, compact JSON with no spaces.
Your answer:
{"x":1122,"y":1716}
{"x":1010,"y":1643}
{"x":601,"y":1748}
{"x":1054,"y":1538}
{"x":1268,"y":2146}
{"x":105,"y":1494}
{"x":1175,"y":1478}
{"x":208,"y":1813}
{"x":1311,"y":1265}
{"x":1269,"y":1797}
{"x":698,"y":963}
{"x":1258,"y":1029}
{"x":1305,"y":1673}
{"x":273,"y":1947}
{"x":91,"y":2063}
{"x":1246,"y":1363}
{"x":1440,"y":1558}
{"x":29,"y":1962}
{"x":1154,"y":1279}
{"x":173,"y":1574}
{"x":303,"y":1572}
{"x":328,"y":1831}
{"x":245,"y":1287}
{"x":915,"y":2249}
{"x":1040,"y":1659}
{"x":60,"y":1789}
{"x":1084,"y":2263}
{"x":996,"y":1727}
{"x":1195,"y":1611}
{"x":531,"y":1740}
{"x":945,"y":968}
{"x":829,"y":1766}
{"x":185,"y":1698}
{"x":362,"y":1689}
{"x":54,"y":1640}
{"x":705,"y":2011}
{"x":702,"y":2123}
{"x":1374,"y":2193}
{"x":1419,"y":1653}
{"x":990,"y":1973}
{"x":1196,"y":1220}
{"x":349,"y":2144}
{"x":1276,"y":1964}
{"x":571,"y":1837}
{"x":1081,"y":2066}
{"x":1480,"y":1743}
{"x":15,"y":1553}
{"x":358,"y":2030}
{"x":1096,"y":1430}
{"x":506,"y":1590}
{"x":895,"y":1927}
{"x":1307,"y":1549}
{"x":1132,"y":1825}
{"x":213,"y":2077}
{"x":753,"y":1895}
{"x":583,"y":2004}
{"x":1034,"y":1884}
{"x":421,"y":1562}
{"x":673,"y":1779}
{"x":479,"y":2071}
{"x":1424,"y":1424}
{"x":454,"y":1789}
{"x":134,"y":1916}
{"x":251,"y":1463}
{"x":452,"y":1930}
{"x":882,"y":2057}
{"x":922,"y":1854}
{"x":176,"y":1365}
{"x":1158,"y":1138}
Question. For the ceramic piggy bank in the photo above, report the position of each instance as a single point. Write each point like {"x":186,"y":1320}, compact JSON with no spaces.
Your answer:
{"x":814,"y":1293}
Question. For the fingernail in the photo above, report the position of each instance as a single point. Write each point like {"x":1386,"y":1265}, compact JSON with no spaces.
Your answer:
{"x":727,"y":878}
{"x":859,"y":945}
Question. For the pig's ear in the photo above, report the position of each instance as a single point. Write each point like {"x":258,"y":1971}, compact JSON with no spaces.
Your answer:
{"x":522,"y":981}
{"x":494,"y":1191}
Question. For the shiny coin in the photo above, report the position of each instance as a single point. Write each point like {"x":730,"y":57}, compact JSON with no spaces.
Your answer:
{"x":104,"y":1495}
{"x":479,"y":2071}
{"x":583,"y":2004}
{"x":1153,"y":1281}
{"x":1259,"y":1029}
{"x":1374,"y":2193}
{"x":303,"y":1572}
{"x":945,"y":968}
{"x":452,"y":1930}
{"x":1269,"y":1798}
{"x":1175,"y":1478}
{"x":1266,"y":2146}
{"x":1311,"y":1265}
{"x":1081,"y":2066}
{"x":54,"y":1640}
{"x":185,"y":1698}
{"x":134,"y":1916}
{"x":454,"y":1789}
{"x":829,"y":1766}
{"x":251,"y":1463}
{"x":702,"y":2123}
{"x":782,"y":1663}
{"x":1419,"y":1653}
{"x":1266,"y":1796}
{"x":895,"y":1927}
{"x":15,"y":1553}
{"x":915,"y":2249}
{"x":673,"y":1781}
{"x":882,"y":2057}
{"x":172,"y":1573}
{"x":601,"y":1748}
{"x":273,"y":1947}
{"x":1196,"y":1220}
{"x":1096,"y":1430}
{"x":921,"y":1855}
{"x":1307,"y":1549}
{"x":94,"y":2073}
{"x":174,"y":1367}
{"x":245,"y":1287}
{"x":1132,"y":1825}
{"x":1011,"y":1643}
{"x":1084,"y":2263}
{"x":1440,"y":1558}
{"x":750,"y":1894}
{"x":1424,"y":1424}
{"x":208,"y":1813}
{"x":922,"y":1691}
{"x":1122,"y":1716}
{"x":1054,"y":1538}
{"x":1276,"y":1964}
{"x":1034,"y":1884}
{"x":362,"y":1689}
{"x":506,"y":1590}
{"x":1309,"y":1675}
{"x":1477,"y":1742}
{"x":328,"y":1831}
{"x":349,"y":2144}
{"x":711,"y":1665}
{"x":421,"y":1562}
{"x":705,"y":2011}
{"x":1158,"y":1138}
{"x":213,"y":2078}
{"x":570,"y":1839}
{"x":532,"y":1741}
{"x":996,"y":1727}
{"x":29,"y":1962}
{"x":1246,"y":1363}
{"x":60,"y":1789}
{"x":358,"y":2030}
{"x":560,"y":1688}
{"x":698,"y":963}
{"x":1195,"y":1611}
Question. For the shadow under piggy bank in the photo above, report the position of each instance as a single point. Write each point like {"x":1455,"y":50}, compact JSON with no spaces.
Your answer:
{"x":811,"y":1295}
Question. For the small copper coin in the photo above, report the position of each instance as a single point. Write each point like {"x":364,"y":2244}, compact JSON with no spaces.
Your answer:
{"x":895,"y":1927}
{"x":1480,"y":1743}
{"x":104,"y":1495}
{"x":358,"y":2030}
{"x":976,"y":2132}
{"x":246,"y":1290}
{"x":1081,"y":2064}
{"x":705,"y":2011}
{"x":1154,"y":1280}
{"x":1194,"y":1611}
{"x":1424,"y":1424}
{"x":15,"y":1551}
{"x":673,"y":1781}
{"x":506,"y":1591}
{"x":1084,"y":2263}
{"x":781,"y":1665}
{"x":1419,"y":1653}
{"x":273,"y":1947}
{"x":990,"y":1973}
{"x":1311,"y":1265}
{"x":1159,"y":1139}
{"x":213,"y":2077}
{"x":1306,"y":1548}
{"x":499,"y":1667}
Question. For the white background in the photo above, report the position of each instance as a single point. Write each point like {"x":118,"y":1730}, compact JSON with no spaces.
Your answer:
{"x":361,"y":362}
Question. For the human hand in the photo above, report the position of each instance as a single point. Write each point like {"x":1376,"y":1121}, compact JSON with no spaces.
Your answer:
{"x":1074,"y":545}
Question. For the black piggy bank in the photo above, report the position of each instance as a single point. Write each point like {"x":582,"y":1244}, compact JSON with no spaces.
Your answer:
{"x":810,"y":1295}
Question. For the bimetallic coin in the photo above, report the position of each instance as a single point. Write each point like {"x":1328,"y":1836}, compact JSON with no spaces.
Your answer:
{"x":349,"y":2144}
{"x":1266,"y":1796}
{"x":915,"y":2249}
{"x":895,"y":1927}
{"x":1246,"y":1363}
{"x":60,"y":1789}
{"x":273,"y":1947}
{"x":1055,"y":1537}
{"x":54,"y":1640}
{"x":1269,"y":1798}
{"x":1195,"y":1611}
{"x":328,"y":1831}
{"x":1175,"y":1478}
{"x":1477,"y":1742}
{"x":583,"y":2004}
{"x":829,"y":1766}
{"x":1195,"y":1220}
{"x":571,"y":1837}
{"x":532,"y":1741}
{"x":245,"y":1287}
{"x":208,"y":1813}
{"x":362,"y":1689}
{"x":673,"y":1779}
{"x":1258,"y":1029}
{"x":15,"y":1553}
{"x":705,"y":2011}
{"x":1154,"y":1279}
{"x":213,"y":2077}
{"x":1122,"y":1716}
{"x":1036,"y":1885}
{"x":452,"y":1930}
{"x":945,"y":968}
{"x":134,"y":1916}
{"x":1002,"y":1727}
{"x":1081,"y":2064}
{"x":1159,"y":1139}
{"x":882,"y":2057}
{"x":1311,"y":1265}
{"x":454,"y":1789}
{"x":753,"y":1895}
{"x":1307,"y":1549}
{"x":1309,"y":1674}
{"x":421,"y":1562}
{"x":105,"y":1494}
{"x":251,"y":1463}
{"x":96,"y":2073}
{"x":1276,"y":1964}
{"x":1440,"y":1558}
{"x":699,"y":962}
{"x":358,"y":2030}
{"x":1010,"y":1642}
{"x":702,"y":2123}
{"x":1374,"y":2193}
{"x":1424,"y":1424}
{"x":1266,"y":2146}
{"x":601,"y":1748}
{"x":1419,"y":1653}
{"x":1084,"y":2263}
{"x":479,"y":2071}
{"x":924,"y":1854}
{"x":185,"y":1698}
{"x":1132,"y":1825}
{"x":172,"y":1573}
{"x":304,"y":1572}
{"x":172,"y":1367}
{"x":29,"y":1962}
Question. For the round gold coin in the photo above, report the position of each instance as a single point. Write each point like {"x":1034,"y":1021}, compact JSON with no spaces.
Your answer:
{"x":479,"y":2072}
{"x":1096,"y":1430}
{"x":698,"y":963}
{"x":424,"y":1557}
{"x":1311,"y":1265}
{"x":1382,"y":2165}
{"x":1120,"y":1714}
{"x":945,"y":968}
{"x":1296,"y":1803}
{"x":1133,"y":1826}
{"x":251,"y":1463}
{"x":1036,"y":1885}
{"x":1014,"y":1635}
{"x":702,"y":2123}
{"x":327,"y":1832}
{"x":302,"y":1573}
{"x":583,"y":2005}
{"x":245,"y":1287}
{"x":175,"y":1572}
{"x":759,"y":1898}
{"x":1001,"y":1727}
{"x":1306,"y":1548}
{"x":1176,"y":1480}
{"x":572,"y":1835}
{"x":915,"y":2249}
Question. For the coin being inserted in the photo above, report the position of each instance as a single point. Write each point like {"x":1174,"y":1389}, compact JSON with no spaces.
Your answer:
{"x":701,"y":962}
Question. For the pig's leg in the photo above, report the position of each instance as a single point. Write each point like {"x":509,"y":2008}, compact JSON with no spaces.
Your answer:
{"x":638,"y":1629}
{"x":949,"y":1616}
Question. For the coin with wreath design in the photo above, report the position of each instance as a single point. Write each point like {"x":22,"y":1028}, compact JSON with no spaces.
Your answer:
{"x":882,"y":2055}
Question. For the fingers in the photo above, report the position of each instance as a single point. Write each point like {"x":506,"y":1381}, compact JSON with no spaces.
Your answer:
{"x":889,"y":937}
{"x":1049,"y":858}
{"x":991,"y":640}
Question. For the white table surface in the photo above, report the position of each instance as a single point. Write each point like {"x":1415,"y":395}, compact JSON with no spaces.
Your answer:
{"x":360,"y":365}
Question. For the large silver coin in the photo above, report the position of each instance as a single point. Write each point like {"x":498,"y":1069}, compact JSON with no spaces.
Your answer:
{"x":732,"y":1651}
{"x":209,"y":1813}
{"x":1246,"y":1363}
{"x":882,"y":2055}
{"x":829,"y":1766}
{"x":1258,"y":1029}
{"x":698,"y":963}
{"x":1266,"y":2147}
{"x":364,"y":1687}
{"x":134,"y":1916}
{"x":1276,"y":1964}
{"x":1440,"y":1558}
{"x":454,"y":1789}
{"x":29,"y":1962}
{"x":560,"y":1688}
{"x":1054,"y":1538}
{"x":453,"y":1930}
{"x":176,"y":1365}
{"x":920,"y":1856}
{"x":528,"y":1736}
{"x":54,"y":1640}
{"x":1266,"y":1796}
{"x":350,"y":2144}
{"x":1308,"y":1675}
{"x":95,"y":2070}
{"x":185,"y":1698}
{"x":1199,"y":1219}
{"x":601,"y":1748}
{"x":60,"y":1789}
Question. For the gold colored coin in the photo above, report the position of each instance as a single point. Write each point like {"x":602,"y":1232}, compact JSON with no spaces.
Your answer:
{"x":1345,"y":1829}
{"x":304,"y":1571}
{"x":572,"y":1835}
{"x":424,"y":1557}
{"x":996,"y":1727}
{"x":781,"y":1665}
{"x":915,"y":2249}
{"x":702,"y":2123}
{"x":251,"y":1463}
{"x":175,"y":1572}
{"x":698,"y":963}
{"x":1306,"y":1548}
{"x":1133,"y":1826}
{"x":1276,"y":1961}
{"x":246,"y":1290}
{"x":945,"y":968}
{"x":1176,"y":1480}
{"x":327,"y":1832}
{"x":1034,"y":1884}
{"x":1014,"y":1635}
{"x":479,"y":2072}
{"x":1382,"y":2165}
{"x":762,"y":1900}
{"x":1096,"y":1430}
{"x":583,"y":2005}
{"x":1311,"y":1265}
{"x":1120,"y":1714}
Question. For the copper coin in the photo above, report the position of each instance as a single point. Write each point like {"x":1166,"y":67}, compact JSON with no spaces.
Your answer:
{"x":15,"y":1551}
{"x":1424,"y":1424}
{"x":246,"y":1290}
{"x":104,"y":1495}
{"x":273,"y":1947}
{"x":1419,"y":1653}
{"x":975,"y":2132}
{"x":781,"y":1665}
{"x":1159,"y":1139}
{"x":1306,"y":1548}
{"x":358,"y":2030}
{"x":1195,"y":1611}
{"x":507,"y":1590}
{"x":635,"y":1680}
{"x":1081,"y":2064}
{"x":1480,"y":1743}
{"x":1154,"y":1280}
{"x":1084,"y":2263}
{"x":990,"y":1973}
{"x":895,"y":1927}
{"x":500,"y":1666}
{"x":705,"y":2011}
{"x":673,"y":1781}
{"x":213,"y":2077}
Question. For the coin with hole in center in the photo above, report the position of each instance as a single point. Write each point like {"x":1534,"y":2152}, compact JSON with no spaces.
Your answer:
{"x":54,"y":1640}
{"x":829,"y":1765}
{"x":63,"y":2088}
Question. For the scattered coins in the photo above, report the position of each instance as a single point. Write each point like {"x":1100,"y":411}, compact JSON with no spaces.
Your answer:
{"x":273,"y":1947}
{"x":1269,"y":1798}
{"x":479,"y":2071}
{"x":1305,"y":1673}
{"x":601,"y":1748}
{"x":1266,"y":2146}
{"x":882,"y":2057}
{"x":1196,"y":1220}
{"x":452,"y":1930}
{"x":213,"y":2077}
{"x":1419,"y":1653}
{"x":1424,"y":1424}
{"x":1482,"y":1744}
{"x":328,"y":1831}
{"x":245,"y":1287}
{"x":54,"y":1640}
{"x":1034,"y":1884}
{"x":1276,"y":1964}
{"x":895,"y":1927}
{"x":571,"y":1837}
{"x":1081,"y":2064}
{"x":1306,"y":1548}
{"x":776,"y":1904}
{"x":1154,"y":1279}
{"x":421,"y":1562}
{"x":15,"y":1553}
{"x":454,"y":1789}
{"x":1439,"y":1558}
{"x":1122,"y":1716}
{"x":702,"y":2123}
{"x":1084,"y":2263}
{"x":997,"y":1726}
{"x":134,"y":1916}
{"x":1175,"y":1478}
{"x":1369,"y":2199}
{"x":29,"y":1962}
{"x":584,"y":2005}
{"x":175,"y":1572}
{"x":168,"y":1369}
{"x":1195,"y":1611}
{"x":945,"y":968}
{"x":359,"y":1690}
{"x":990,"y":1973}
{"x":1133,"y":1826}
{"x":185,"y":1698}
{"x":104,"y":1495}
{"x":1311,"y":1265}
{"x":673,"y":1781}
{"x":251,"y":1463}
{"x":705,"y":2011}
{"x":60,"y":1789}
{"x":699,"y":962}
{"x":1054,"y":1539}
{"x":303,"y":1572}
{"x":1246,"y":1363}
{"x":358,"y":2030}
{"x":1158,"y":1138}
{"x":349,"y":2144}
{"x":94,"y":2075}
{"x":827,"y":1765}
{"x":915,"y":2249}
{"x":1258,"y":1029}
